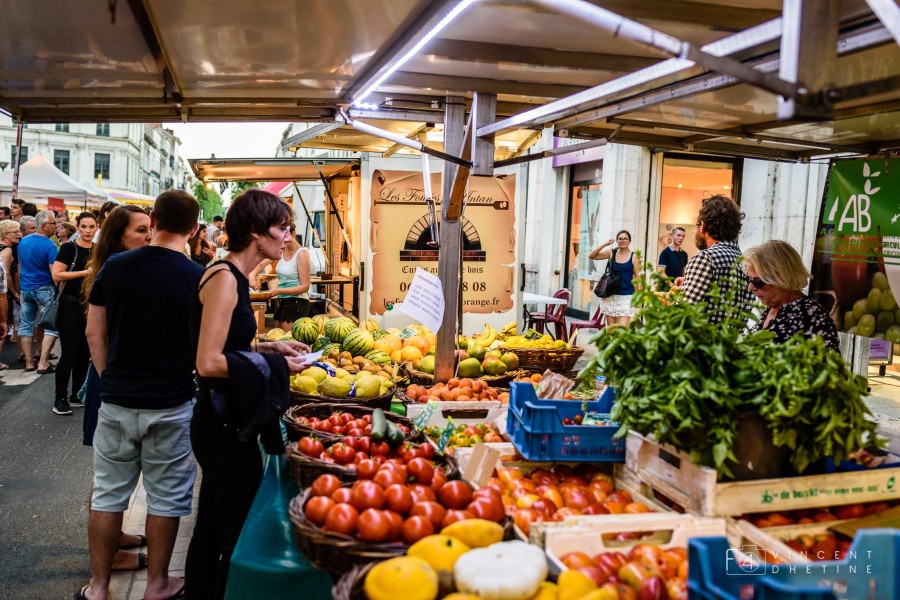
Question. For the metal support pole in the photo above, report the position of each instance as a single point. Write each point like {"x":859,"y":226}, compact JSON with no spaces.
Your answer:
{"x":337,"y":214}
{"x":450,"y":253}
{"x":808,"y":57}
{"x":309,"y":220}
{"x":15,"y":183}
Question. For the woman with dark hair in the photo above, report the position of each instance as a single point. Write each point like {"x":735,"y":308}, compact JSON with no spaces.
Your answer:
{"x":225,"y":444}
{"x":617,"y":308}
{"x":65,"y":231}
{"x":68,"y":271}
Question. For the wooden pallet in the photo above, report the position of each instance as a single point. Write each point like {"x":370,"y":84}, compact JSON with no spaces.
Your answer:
{"x":662,"y":469}
{"x":585,"y":534}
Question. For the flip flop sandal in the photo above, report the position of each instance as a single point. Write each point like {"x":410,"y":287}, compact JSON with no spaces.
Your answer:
{"x":140,"y":544}
{"x":80,"y":594}
{"x":29,"y":368}
{"x":49,"y":369}
{"x":3,"y":366}
{"x":142,"y":564}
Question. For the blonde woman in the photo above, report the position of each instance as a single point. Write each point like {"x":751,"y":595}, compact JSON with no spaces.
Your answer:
{"x":10,"y":235}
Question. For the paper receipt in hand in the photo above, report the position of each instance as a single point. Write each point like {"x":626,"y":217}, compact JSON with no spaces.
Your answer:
{"x":312,"y":357}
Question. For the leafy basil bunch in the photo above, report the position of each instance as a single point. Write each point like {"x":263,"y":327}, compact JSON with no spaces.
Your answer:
{"x":685,"y":382}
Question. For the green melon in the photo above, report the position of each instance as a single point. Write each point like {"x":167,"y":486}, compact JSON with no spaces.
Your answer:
{"x":358,"y":342}
{"x":337,"y":329}
{"x":380,"y":333}
{"x":305,"y":330}
{"x":326,"y":350}
{"x":320,"y":343}
{"x":379,"y":357}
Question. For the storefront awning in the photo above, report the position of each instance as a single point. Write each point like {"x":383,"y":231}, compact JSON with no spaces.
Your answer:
{"x":270,"y":169}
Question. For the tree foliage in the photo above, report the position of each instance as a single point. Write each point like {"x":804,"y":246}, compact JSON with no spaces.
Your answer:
{"x":210,"y":201}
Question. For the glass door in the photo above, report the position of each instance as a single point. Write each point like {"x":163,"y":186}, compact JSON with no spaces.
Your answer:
{"x":582,"y":272}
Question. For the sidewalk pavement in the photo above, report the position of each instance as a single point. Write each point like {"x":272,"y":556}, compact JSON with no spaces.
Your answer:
{"x":130,"y":585}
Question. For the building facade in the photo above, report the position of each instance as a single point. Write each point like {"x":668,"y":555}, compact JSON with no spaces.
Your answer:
{"x":134,"y":157}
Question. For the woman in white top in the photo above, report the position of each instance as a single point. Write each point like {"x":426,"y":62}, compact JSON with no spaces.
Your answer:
{"x":292,"y":294}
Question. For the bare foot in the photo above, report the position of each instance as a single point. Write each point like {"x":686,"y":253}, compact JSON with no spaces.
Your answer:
{"x":130,"y":540}
{"x":174,"y":587}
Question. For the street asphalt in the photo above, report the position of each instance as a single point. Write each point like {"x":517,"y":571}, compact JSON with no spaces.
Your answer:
{"x":45,"y":475}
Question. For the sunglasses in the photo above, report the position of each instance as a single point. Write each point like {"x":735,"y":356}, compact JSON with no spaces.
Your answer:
{"x":756,"y":282}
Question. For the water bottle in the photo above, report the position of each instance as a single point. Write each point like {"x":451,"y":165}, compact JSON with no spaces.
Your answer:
{"x":600,"y":385}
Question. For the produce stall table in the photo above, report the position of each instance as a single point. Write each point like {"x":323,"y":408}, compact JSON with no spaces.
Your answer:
{"x":266,"y":560}
{"x":341,"y":281}
{"x":529,"y":298}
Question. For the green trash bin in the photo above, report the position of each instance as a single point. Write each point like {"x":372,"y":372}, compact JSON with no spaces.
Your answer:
{"x":266,"y":563}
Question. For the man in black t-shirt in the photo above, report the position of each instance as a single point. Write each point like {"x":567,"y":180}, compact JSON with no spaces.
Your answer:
{"x":673,"y":260}
{"x":140,"y":339}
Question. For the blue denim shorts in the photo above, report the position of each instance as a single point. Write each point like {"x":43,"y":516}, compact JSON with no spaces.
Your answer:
{"x":157,"y":443}
{"x":32,"y":302}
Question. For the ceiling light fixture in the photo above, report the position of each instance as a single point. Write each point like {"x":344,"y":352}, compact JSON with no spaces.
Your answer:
{"x":457,"y":10}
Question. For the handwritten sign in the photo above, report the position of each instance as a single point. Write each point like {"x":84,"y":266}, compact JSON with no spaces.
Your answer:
{"x":424,"y":300}
{"x":446,"y":435}
{"x":422,"y":420}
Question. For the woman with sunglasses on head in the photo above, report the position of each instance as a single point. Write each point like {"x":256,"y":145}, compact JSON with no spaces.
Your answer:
{"x":238,"y":400}
{"x":617,"y":308}
{"x":776,"y":276}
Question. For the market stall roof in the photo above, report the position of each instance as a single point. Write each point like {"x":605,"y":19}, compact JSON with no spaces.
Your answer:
{"x":673,"y":75}
{"x":39,"y":179}
{"x":270,"y":169}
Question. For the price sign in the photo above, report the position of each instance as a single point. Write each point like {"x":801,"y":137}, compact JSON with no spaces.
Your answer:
{"x":422,"y":420}
{"x":446,"y":435}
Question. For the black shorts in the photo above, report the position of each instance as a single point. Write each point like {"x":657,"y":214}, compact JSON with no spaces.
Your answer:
{"x":291,"y":309}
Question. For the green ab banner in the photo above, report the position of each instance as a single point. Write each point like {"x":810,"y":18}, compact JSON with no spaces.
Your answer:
{"x":856,"y":265}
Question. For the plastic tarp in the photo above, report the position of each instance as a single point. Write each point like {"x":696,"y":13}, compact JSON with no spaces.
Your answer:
{"x":39,"y":180}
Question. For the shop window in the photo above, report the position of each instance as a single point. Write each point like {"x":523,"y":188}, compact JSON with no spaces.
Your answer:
{"x":582,"y":272}
{"x":23,"y":156}
{"x":686,"y":181}
{"x":103,"y":129}
{"x":62,"y":127}
{"x":101,"y":165}
{"x":61,"y":160}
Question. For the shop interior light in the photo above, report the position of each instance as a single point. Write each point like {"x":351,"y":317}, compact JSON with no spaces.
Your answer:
{"x":457,"y":10}
{"x":726,"y":187}
{"x":680,"y":186}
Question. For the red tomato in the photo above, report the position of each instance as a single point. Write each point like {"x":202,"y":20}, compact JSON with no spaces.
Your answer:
{"x":453,"y":516}
{"x":543,"y":477}
{"x":577,"y":499}
{"x":398,"y":498}
{"x":356,"y":433}
{"x":373,"y":526}
{"x":347,"y":417}
{"x":611,"y":560}
{"x":341,"y":519}
{"x":303,"y":421}
{"x":342,"y":453}
{"x":599,"y":577}
{"x":377,"y":459}
{"x":483,"y":508}
{"x":310,"y":446}
{"x":364,"y":444}
{"x":386,"y":478}
{"x":409,"y":452}
{"x":427,"y":450}
{"x":359,"y":457}
{"x":438,"y":480}
{"x":524,"y":517}
{"x":421,"y":469}
{"x":545,"y":506}
{"x":367,"y":494}
{"x":422,"y":493}
{"x":342,"y":495}
{"x":396,"y":520}
{"x":367,"y":419}
{"x":338,"y":430}
{"x":367,"y":429}
{"x":380,"y":448}
{"x":325,"y":485}
{"x":431,"y":510}
{"x":416,"y":528}
{"x":488,"y":493}
{"x":595,"y":509}
{"x":317,"y":509}
{"x":456,"y":494}
{"x":366,"y":468}
{"x":350,"y":441}
{"x":335,"y":420}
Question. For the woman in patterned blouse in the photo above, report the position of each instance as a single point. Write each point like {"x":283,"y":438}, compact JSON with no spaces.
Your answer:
{"x":777,"y":277}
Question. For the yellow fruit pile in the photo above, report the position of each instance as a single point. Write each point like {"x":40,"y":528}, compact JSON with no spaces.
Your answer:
{"x":545,"y":342}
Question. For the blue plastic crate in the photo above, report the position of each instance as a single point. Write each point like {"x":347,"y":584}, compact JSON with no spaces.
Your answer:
{"x":869,"y":571}
{"x":535,"y":428}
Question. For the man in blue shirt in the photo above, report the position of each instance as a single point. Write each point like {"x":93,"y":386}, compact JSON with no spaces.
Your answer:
{"x":673,"y":259}
{"x":36,"y":255}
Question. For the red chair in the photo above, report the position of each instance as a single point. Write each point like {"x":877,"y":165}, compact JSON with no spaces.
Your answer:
{"x":555,"y":313}
{"x":598,"y":321}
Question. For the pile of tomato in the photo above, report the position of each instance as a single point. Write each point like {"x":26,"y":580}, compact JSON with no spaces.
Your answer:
{"x":362,"y":454}
{"x":559,"y":492}
{"x":398,"y":502}
{"x":342,"y":424}
{"x":818,"y":515}
{"x":647,"y":571}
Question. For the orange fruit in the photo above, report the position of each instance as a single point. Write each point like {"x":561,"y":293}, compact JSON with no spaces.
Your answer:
{"x":410,"y":353}
{"x":536,"y":378}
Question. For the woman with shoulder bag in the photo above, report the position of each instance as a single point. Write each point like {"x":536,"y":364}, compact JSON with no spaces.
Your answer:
{"x":617,"y":306}
{"x":69,"y":270}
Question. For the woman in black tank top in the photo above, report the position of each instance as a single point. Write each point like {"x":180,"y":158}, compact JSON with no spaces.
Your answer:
{"x":257,"y":228}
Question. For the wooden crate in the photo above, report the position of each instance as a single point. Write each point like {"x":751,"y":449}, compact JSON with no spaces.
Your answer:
{"x":463,"y":413}
{"x":584,"y":534}
{"x":663,"y":469}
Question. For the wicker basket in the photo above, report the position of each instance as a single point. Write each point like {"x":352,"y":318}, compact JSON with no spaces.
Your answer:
{"x":383,"y":401}
{"x":296,"y":431}
{"x":540,"y":359}
{"x":305,"y":469}
{"x":494,"y":381}
{"x":334,"y":552}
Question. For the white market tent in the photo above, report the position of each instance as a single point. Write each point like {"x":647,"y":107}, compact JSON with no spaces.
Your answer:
{"x":40,"y":180}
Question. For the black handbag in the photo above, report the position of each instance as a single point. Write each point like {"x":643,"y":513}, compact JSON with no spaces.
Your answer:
{"x":48,"y":316}
{"x":610,"y":282}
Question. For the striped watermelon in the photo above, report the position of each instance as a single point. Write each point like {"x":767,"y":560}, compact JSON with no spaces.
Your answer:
{"x":379,"y":357}
{"x":358,"y":342}
{"x":329,"y":348}
{"x":380,"y":333}
{"x":320,"y":321}
{"x":305,"y":330}
{"x":320,"y":343}
{"x":337,"y":329}
{"x":369,"y":325}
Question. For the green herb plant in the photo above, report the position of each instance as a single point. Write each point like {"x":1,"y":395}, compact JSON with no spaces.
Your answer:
{"x":685,"y":382}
